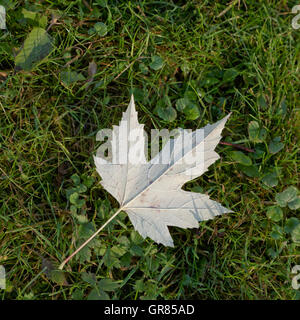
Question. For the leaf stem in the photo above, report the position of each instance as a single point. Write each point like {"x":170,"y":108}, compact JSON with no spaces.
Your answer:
{"x":89,"y":239}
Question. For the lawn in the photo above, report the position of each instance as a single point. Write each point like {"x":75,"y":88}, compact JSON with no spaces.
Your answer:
{"x":188,"y":63}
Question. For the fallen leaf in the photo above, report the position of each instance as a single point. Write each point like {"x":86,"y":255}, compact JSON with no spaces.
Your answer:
{"x":151,"y":191}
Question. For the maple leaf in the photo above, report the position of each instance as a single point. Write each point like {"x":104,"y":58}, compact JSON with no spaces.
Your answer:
{"x":150,"y":192}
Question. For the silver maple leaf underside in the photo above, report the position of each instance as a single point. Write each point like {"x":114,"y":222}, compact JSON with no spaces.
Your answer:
{"x":150,"y":192}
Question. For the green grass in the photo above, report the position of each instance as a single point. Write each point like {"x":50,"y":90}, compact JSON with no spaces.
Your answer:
{"x":48,"y":130}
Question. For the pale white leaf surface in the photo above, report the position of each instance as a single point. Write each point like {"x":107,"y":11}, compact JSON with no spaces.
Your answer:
{"x":151,"y":192}
{"x":2,"y":17}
